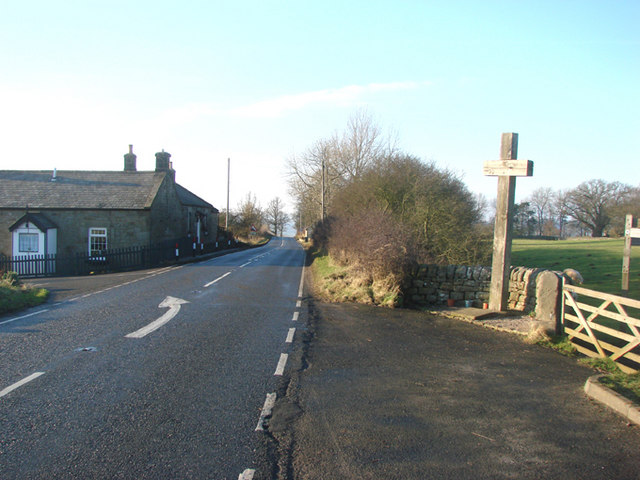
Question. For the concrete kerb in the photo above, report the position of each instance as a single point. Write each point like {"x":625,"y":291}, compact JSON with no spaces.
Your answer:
{"x":603,"y":394}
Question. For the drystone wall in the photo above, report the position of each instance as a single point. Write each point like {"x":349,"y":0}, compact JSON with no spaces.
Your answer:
{"x":530,"y":289}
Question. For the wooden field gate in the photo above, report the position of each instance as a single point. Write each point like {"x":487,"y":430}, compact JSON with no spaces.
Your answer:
{"x":610,"y":329}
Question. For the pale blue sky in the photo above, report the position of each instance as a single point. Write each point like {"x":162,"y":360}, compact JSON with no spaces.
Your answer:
{"x":257,"y":81}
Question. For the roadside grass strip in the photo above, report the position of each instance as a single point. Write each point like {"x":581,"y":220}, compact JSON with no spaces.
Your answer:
{"x":22,"y":382}
{"x":267,"y":408}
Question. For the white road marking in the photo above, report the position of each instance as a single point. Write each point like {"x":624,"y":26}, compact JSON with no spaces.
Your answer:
{"x":281,"y":364}
{"x":290,"y":335}
{"x":217,"y":280}
{"x":174,"y":307}
{"x":298,"y":303}
{"x":24,"y":316}
{"x":295,"y":316}
{"x":25,"y":380}
{"x":245,"y":264}
{"x":247,"y":474}
{"x":269,"y":402}
{"x":300,"y":290}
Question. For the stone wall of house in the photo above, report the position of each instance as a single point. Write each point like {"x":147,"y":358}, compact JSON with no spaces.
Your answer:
{"x":168,"y":219}
{"x":8,"y":218}
{"x":530,"y":289}
{"x":125,"y":228}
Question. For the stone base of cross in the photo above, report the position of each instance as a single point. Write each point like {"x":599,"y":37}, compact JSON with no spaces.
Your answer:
{"x":506,"y":169}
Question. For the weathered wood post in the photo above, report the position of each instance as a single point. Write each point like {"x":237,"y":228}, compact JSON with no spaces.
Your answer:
{"x":629,"y":234}
{"x":506,"y":169}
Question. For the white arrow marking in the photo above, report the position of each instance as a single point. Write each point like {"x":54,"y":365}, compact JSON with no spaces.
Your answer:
{"x":174,"y":307}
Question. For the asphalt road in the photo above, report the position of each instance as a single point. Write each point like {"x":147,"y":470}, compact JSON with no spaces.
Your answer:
{"x":87,"y":392}
{"x":397,"y":394}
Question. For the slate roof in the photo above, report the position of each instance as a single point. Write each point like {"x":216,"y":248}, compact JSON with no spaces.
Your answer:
{"x":38,"y":219}
{"x":188,"y":198}
{"x":85,"y":190}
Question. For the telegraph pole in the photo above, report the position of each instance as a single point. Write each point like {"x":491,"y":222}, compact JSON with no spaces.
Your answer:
{"x":323,"y":188}
{"x":226,"y":217}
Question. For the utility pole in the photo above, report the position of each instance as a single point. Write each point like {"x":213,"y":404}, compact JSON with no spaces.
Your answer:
{"x":323,"y":189}
{"x":226,"y":217}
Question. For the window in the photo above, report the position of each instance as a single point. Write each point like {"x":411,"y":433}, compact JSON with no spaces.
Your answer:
{"x":97,"y":241}
{"x":28,"y":242}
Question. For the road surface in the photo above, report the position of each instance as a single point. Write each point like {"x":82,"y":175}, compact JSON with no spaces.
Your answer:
{"x":158,"y":374}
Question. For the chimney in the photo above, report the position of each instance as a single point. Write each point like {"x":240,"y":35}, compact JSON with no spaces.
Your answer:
{"x":163,"y":163}
{"x":130,"y":160}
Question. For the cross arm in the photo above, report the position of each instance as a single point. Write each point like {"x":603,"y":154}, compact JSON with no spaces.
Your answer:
{"x":510,"y":168}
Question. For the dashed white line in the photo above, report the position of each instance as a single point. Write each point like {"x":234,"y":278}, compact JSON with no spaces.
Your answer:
{"x":25,"y":380}
{"x":298,"y":303}
{"x":292,"y":332}
{"x":25,"y":316}
{"x":281,"y":364}
{"x":216,"y":280}
{"x":269,"y":402}
{"x":295,"y":316}
{"x":301,"y":289}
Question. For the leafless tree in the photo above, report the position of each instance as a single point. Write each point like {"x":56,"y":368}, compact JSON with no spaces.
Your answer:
{"x":331,"y":163}
{"x":541,"y":200}
{"x":248,"y":216}
{"x":275,"y":216}
{"x":591,"y":203}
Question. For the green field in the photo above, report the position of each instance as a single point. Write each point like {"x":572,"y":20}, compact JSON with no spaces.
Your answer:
{"x":599,"y":261}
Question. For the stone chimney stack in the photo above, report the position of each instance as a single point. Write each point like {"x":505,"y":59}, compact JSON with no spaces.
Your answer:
{"x":130,"y":160}
{"x":163,"y":163}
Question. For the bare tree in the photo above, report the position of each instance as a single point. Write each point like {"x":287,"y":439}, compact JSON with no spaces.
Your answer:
{"x":330,"y":164}
{"x":275,"y":216}
{"x":561,"y":211}
{"x":591,"y":203}
{"x":248,"y":216}
{"x":541,"y":200}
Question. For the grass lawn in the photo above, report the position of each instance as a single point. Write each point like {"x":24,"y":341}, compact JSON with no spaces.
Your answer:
{"x":599,"y":260}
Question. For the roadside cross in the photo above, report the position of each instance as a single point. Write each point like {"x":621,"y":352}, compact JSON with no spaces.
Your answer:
{"x":506,"y":169}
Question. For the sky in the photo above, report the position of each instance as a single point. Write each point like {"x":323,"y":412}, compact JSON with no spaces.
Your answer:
{"x":260,"y":81}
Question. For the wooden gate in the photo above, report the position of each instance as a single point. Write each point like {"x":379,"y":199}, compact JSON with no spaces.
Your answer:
{"x":608,"y":328}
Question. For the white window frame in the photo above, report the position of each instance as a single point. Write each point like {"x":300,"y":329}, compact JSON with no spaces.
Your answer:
{"x":97,"y":233}
{"x":29,"y":248}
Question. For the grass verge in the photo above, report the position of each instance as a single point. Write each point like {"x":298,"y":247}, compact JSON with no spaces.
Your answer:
{"x":627,"y":385}
{"x":599,"y":260}
{"x":16,"y":296}
{"x":337,"y":283}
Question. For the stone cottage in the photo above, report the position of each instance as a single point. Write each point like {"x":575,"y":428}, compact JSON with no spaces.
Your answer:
{"x":68,"y":212}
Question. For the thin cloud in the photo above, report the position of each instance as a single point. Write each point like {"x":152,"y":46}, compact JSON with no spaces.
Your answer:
{"x":343,"y":96}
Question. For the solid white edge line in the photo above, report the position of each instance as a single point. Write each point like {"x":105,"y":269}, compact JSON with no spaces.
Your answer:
{"x":247,"y":474}
{"x":216,"y":280}
{"x":25,"y":316}
{"x":301,"y":288}
{"x":11,"y":388}
{"x":295,"y":316}
{"x":292,"y":332}
{"x":269,"y":402}
{"x":281,"y":364}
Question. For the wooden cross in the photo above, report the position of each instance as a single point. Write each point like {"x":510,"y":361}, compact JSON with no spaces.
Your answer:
{"x":506,"y":169}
